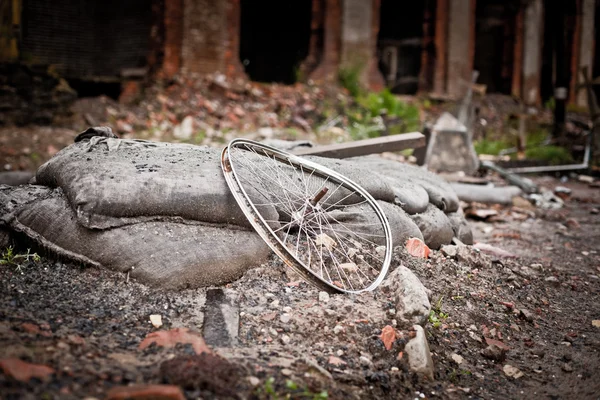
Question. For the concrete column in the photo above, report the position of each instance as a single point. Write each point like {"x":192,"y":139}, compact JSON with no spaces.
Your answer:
{"x":532,"y":48}
{"x":460,"y":64}
{"x":357,"y":21}
{"x":586,"y":46}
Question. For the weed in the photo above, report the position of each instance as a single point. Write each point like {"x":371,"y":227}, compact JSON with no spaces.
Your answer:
{"x":17,"y":261}
{"x":349,"y":78}
{"x":436,"y":315}
{"x":554,"y":155}
{"x":292,"y":391}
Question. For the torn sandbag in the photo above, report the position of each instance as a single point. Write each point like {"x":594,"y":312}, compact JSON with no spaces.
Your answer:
{"x":113,"y":182}
{"x":167,"y":254}
{"x":460,"y":226}
{"x":435,"y":227}
{"x":364,"y":221}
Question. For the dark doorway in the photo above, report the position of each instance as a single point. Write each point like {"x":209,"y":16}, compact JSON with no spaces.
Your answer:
{"x":495,"y":23}
{"x":557,"y":70}
{"x":400,"y":44}
{"x":274,"y":38}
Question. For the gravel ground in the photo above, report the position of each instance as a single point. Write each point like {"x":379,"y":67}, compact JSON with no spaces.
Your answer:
{"x":500,"y":327}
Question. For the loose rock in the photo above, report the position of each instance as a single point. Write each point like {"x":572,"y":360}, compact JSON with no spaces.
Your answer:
{"x":419,"y":355}
{"x":410,"y":296}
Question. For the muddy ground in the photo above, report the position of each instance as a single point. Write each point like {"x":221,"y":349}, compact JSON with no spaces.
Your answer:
{"x":87,"y":324}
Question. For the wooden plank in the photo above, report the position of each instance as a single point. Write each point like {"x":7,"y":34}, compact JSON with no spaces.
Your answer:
{"x":382,"y":144}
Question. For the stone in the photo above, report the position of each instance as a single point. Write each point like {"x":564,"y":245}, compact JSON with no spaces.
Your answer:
{"x":553,"y":280}
{"x":323,"y":297}
{"x":419,"y":355}
{"x":494,"y":352}
{"x":511,"y":371}
{"x":457,"y":358}
{"x":285,"y":318}
{"x":365,"y":361}
{"x":285,"y":339}
{"x":449,"y":250}
{"x":185,"y":130}
{"x":221,"y":318}
{"x":338,"y":329}
{"x":410,"y":296}
{"x":526,"y":315}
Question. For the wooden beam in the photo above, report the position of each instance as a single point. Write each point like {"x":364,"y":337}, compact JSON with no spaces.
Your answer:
{"x":382,"y":144}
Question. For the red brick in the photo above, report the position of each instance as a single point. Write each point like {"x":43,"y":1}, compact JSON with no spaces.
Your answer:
{"x":145,"y":392}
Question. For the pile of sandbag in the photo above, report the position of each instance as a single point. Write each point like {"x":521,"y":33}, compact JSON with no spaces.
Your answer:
{"x":163,"y":212}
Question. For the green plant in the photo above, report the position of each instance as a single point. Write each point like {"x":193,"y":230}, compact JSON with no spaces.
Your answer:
{"x":436,"y":315}
{"x":292,"y":391}
{"x":387,"y":104}
{"x":554,"y":155}
{"x":17,"y":261}
{"x":349,"y":78}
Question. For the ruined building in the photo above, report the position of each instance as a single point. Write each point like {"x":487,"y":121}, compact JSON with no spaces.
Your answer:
{"x":410,"y":46}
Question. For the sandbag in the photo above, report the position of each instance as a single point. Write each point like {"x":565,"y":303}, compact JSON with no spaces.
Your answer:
{"x":435,"y":226}
{"x":460,"y":226}
{"x":167,"y":254}
{"x":113,"y":182}
{"x":362,"y":220}
{"x":439,"y":191}
{"x":410,"y":196}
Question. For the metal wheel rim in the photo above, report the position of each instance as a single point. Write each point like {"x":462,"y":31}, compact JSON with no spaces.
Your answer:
{"x":271,"y":238}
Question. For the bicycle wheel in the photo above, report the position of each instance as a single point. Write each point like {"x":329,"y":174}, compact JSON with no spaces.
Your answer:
{"x":320,"y":223}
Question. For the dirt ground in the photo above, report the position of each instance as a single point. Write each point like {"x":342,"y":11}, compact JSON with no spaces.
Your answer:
{"x":87,"y":324}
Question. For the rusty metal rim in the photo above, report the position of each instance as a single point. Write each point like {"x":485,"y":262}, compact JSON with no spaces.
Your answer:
{"x":270,"y":237}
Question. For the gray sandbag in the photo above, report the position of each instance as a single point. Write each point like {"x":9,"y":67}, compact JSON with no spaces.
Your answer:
{"x":439,"y":191}
{"x":158,"y":253}
{"x":365,"y":177}
{"x":410,"y":196}
{"x":435,"y":226}
{"x":460,"y":226}
{"x":363,"y":221}
{"x":113,"y":182}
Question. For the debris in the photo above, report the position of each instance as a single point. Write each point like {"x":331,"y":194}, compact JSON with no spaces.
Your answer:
{"x":585,"y":178}
{"x":494,"y":352}
{"x":221,"y":319}
{"x":142,"y":392}
{"x":388,"y":336}
{"x":419,"y":355}
{"x":24,"y":371}
{"x":567,"y":367}
{"x":367,"y":146}
{"x":562,"y":192}
{"x":552,"y":279}
{"x":323,"y":239}
{"x":572,"y":223}
{"x":481,"y":214}
{"x":338,"y":329}
{"x":511,"y":371}
{"x":547,"y":200}
{"x":323,"y":297}
{"x":410,"y":296}
{"x":365,"y":361}
{"x":523,"y":183}
{"x":156,"y":320}
{"x":486,"y":194}
{"x":185,"y":130}
{"x":596,"y":323}
{"x":498,"y":343}
{"x":493,"y":250}
{"x":172,"y":337}
{"x":417,"y":248}
{"x":336,"y":361}
{"x":526,"y":315}
{"x":457,"y":359}
{"x":449,"y":250}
